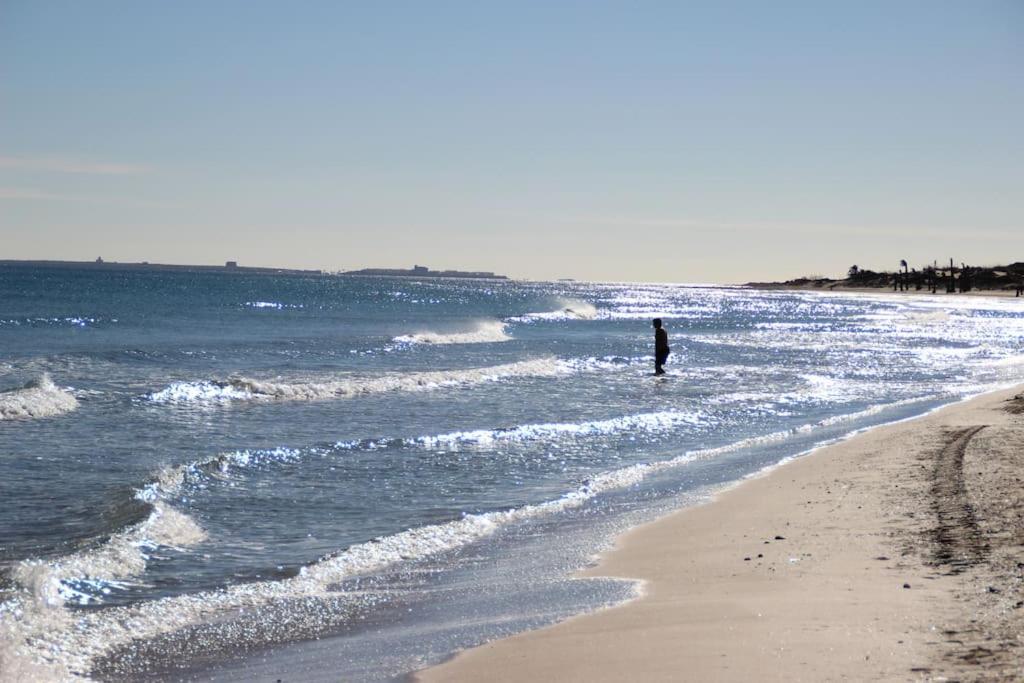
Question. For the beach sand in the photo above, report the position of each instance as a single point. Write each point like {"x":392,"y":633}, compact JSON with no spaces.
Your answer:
{"x":897,"y":554}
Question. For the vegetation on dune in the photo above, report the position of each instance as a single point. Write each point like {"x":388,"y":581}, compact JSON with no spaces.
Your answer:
{"x":934,"y":277}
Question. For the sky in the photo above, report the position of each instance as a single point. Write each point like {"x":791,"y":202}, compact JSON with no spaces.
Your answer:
{"x":630,"y":141}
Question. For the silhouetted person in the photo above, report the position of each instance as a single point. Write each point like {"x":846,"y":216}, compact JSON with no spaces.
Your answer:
{"x":661,"y":349}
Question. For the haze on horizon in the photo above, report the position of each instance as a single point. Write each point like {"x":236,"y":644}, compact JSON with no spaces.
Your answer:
{"x":687,"y":142}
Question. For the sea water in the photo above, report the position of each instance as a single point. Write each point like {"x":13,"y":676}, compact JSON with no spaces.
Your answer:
{"x":230,"y":476}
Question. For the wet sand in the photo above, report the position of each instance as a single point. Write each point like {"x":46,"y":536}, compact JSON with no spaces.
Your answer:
{"x":895,"y":555}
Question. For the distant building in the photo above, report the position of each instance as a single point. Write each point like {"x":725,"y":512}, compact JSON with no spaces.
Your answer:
{"x":99,"y":259}
{"x":231,"y":264}
{"x":420,"y":269}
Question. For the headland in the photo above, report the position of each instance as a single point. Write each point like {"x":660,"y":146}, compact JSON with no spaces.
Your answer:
{"x":933,"y":278}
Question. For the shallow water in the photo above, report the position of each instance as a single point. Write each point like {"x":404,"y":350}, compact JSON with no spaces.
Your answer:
{"x":341,"y":452}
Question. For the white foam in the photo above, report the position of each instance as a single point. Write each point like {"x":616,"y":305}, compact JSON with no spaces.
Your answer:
{"x":205,"y":391}
{"x":38,"y":398}
{"x":567,"y":309}
{"x":646,"y":422}
{"x":170,"y":480}
{"x":276,"y":305}
{"x":75,"y":321}
{"x":40,"y":635}
{"x":241,"y":388}
{"x":122,"y":556}
{"x":483,"y":332}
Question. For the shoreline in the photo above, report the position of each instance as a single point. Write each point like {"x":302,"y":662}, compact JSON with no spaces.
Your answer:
{"x":868,"y":558}
{"x":840,"y":289}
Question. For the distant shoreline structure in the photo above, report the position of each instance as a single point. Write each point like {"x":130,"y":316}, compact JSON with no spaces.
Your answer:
{"x":100,"y":264}
{"x":423,"y":271}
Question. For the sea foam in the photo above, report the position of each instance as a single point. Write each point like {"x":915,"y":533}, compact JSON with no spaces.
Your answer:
{"x":38,"y":398}
{"x":567,"y":309}
{"x":121,"y":556}
{"x":484,"y":332}
{"x":245,"y":389}
{"x":641,"y":422}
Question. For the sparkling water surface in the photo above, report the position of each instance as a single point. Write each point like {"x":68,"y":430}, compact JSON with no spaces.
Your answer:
{"x":400,"y":466}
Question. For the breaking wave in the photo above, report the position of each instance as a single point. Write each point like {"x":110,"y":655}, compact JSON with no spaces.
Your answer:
{"x":37,"y":634}
{"x":69,"y":321}
{"x":38,"y":398}
{"x":123,"y":555}
{"x":244,"y":389}
{"x":568,"y":309}
{"x":643,"y":422}
{"x":170,"y":480}
{"x":275,"y":305}
{"x":35,"y":621}
{"x":484,"y":332}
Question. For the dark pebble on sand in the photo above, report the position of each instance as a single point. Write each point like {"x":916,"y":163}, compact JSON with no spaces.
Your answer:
{"x":780,"y":538}
{"x":760,"y":555}
{"x":993,"y":589}
{"x":906,"y":585}
{"x":746,"y":559}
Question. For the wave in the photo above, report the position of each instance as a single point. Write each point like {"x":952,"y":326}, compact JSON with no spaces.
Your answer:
{"x":38,"y":398}
{"x":244,"y":389}
{"x":35,"y":632}
{"x":642,"y":422}
{"x":485,"y":331}
{"x":68,"y":321}
{"x":276,"y":305}
{"x":123,"y":555}
{"x":567,"y":309}
{"x":37,"y":614}
{"x":170,"y":480}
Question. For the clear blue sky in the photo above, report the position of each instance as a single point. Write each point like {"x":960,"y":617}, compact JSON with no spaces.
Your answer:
{"x":638,"y":141}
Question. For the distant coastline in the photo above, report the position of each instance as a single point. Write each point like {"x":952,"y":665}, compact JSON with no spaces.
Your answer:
{"x":1006,"y":280}
{"x":100,"y":264}
{"x":234,"y":267}
{"x":423,"y":271}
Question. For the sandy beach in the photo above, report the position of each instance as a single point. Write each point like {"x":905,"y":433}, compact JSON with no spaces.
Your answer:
{"x":897,"y":554}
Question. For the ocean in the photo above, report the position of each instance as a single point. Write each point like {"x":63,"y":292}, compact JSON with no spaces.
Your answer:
{"x":221,"y":476}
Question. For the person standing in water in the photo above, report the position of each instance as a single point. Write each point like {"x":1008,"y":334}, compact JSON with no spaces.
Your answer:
{"x":661,"y":349}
